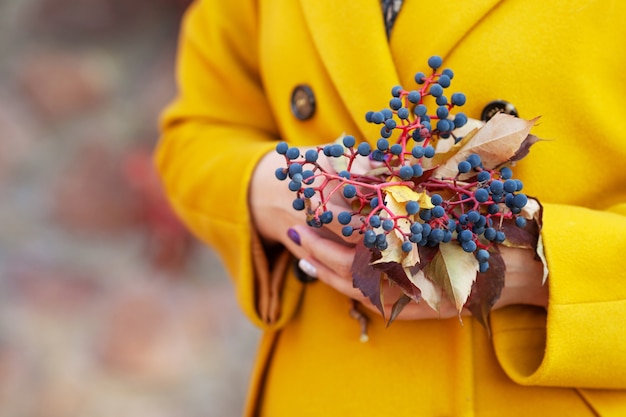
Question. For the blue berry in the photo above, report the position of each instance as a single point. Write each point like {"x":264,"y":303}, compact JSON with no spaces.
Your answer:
{"x":520,"y":222}
{"x":294,"y":185}
{"x":417,"y":170}
{"x":473,"y":216}
{"x":406,"y":172}
{"x":344,"y":174}
{"x":420,"y":110}
{"x":407,"y":246}
{"x":442,"y":112}
{"x":500,"y":237}
{"x":438,"y":212}
{"x":420,"y":77}
{"x":481,"y":195}
{"x":506,"y":173}
{"x":309,"y":192}
{"x":414,"y":97}
{"x":412,"y":207}
{"x":293,"y":153}
{"x":448,"y":72}
{"x":520,"y":200}
{"x":349,"y":191}
{"x":436,"y":199}
{"x":482,"y":255}
{"x":444,"y":81}
{"x":426,"y":229}
{"x":416,"y":228}
{"x":349,"y":141}
{"x":375,"y":221}
{"x":474,"y":159}
{"x":388,"y":225}
{"x":483,"y":176}
{"x":295,"y":169}
{"x":403,"y":113}
{"x":417,"y":152}
{"x":441,"y":100}
{"x":464,"y":167}
{"x":429,"y":151}
{"x":426,"y":215}
{"x":311,"y":155}
{"x":308,"y":177}
{"x":374,"y":202}
{"x":390,"y":124}
{"x":436,"y":235}
{"x":460,"y":120}
{"x":344,"y":217}
{"x":378,"y":155}
{"x":469,"y":246}
{"x":387,"y":114}
{"x":326,"y":217}
{"x":281,"y":173}
{"x":458,"y":99}
{"x":465,"y":236}
{"x":493,"y":208}
{"x":395,"y":103}
{"x":364,"y":149}
{"x":496,"y":187}
{"x":298,"y":204}
{"x":490,"y":233}
{"x":378,"y":117}
{"x":396,"y":149}
{"x":396,"y":90}
{"x":282,"y":147}
{"x":436,"y":90}
{"x":510,"y":186}
{"x":520,"y":185}
{"x":483,"y":267}
{"x":435,"y":62}
{"x":337,"y":151}
{"x":385,"y":132}
{"x":369,"y":237}
{"x":382,"y":144}
{"x":347,"y":231}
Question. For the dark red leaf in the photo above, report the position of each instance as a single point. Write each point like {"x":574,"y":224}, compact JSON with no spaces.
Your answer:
{"x":486,"y":290}
{"x":398,"y":306}
{"x":524,"y":148}
{"x":365,"y":277}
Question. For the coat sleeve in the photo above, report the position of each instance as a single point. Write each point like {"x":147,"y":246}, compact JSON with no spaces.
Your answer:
{"x":580,"y":341}
{"x":213,"y":135}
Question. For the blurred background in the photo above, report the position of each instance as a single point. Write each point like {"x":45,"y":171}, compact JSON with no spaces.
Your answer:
{"x":107,"y":306}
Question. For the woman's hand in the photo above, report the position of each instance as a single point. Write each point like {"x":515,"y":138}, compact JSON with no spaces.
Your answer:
{"x":331,"y":262}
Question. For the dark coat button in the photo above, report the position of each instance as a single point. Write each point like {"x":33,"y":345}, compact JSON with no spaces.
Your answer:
{"x":497,"y":106}
{"x":303,"y":102}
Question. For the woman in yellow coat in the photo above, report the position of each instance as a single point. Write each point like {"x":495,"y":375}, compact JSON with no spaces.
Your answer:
{"x":252,"y":73}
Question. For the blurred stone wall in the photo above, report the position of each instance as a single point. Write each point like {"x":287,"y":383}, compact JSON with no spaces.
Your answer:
{"x":108,"y":307}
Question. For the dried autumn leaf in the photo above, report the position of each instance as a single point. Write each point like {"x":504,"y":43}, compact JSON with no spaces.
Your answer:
{"x":447,"y":148}
{"x":454,"y":270}
{"x":404,"y":194}
{"x":431,"y":293}
{"x":496,"y":142}
{"x":366,"y":278}
{"x":398,"y":306}
{"x":486,"y":290}
{"x":395,"y":273}
{"x":527,"y":236}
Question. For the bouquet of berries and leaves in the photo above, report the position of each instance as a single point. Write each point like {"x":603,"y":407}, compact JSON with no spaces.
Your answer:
{"x":435,"y":207}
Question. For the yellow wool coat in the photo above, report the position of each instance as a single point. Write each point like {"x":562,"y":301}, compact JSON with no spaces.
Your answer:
{"x":562,"y":60}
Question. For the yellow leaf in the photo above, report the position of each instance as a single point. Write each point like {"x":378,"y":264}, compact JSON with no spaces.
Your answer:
{"x":404,"y":194}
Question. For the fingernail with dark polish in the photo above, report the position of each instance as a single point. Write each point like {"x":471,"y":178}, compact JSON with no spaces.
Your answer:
{"x":294,"y":236}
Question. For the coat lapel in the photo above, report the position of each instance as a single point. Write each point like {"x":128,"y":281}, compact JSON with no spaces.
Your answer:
{"x":351,"y":41}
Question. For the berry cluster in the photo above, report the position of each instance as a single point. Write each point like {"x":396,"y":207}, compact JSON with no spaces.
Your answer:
{"x":401,"y":200}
